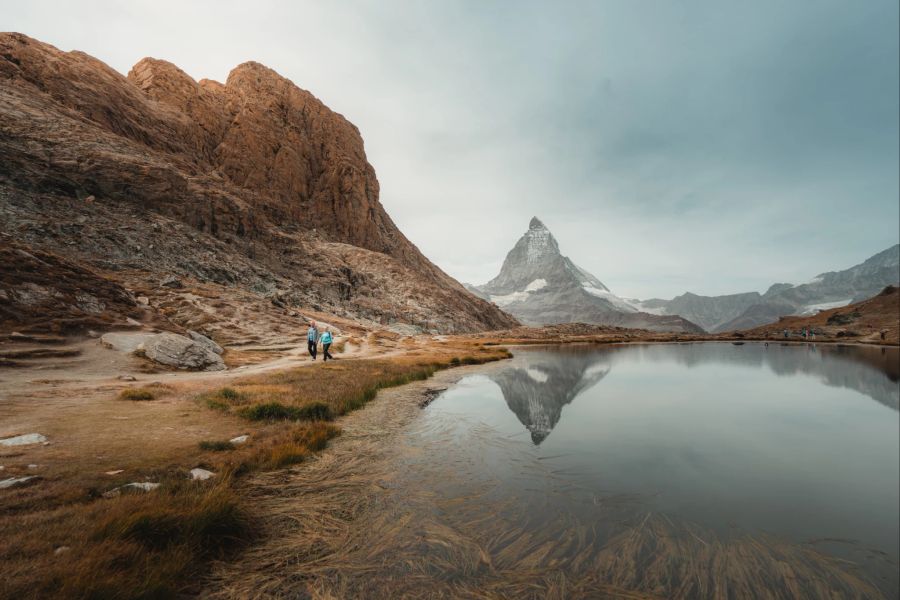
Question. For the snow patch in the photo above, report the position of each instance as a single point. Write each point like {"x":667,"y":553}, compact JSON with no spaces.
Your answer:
{"x":537,"y":375}
{"x":507,"y":299}
{"x":812,"y":309}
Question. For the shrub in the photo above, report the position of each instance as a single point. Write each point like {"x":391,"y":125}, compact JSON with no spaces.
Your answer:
{"x":216,"y":445}
{"x":137,"y":394}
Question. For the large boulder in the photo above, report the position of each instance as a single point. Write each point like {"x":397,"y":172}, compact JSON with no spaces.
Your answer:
{"x":182,"y":352}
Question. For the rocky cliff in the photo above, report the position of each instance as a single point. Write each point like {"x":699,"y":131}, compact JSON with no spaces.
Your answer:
{"x":251,"y":185}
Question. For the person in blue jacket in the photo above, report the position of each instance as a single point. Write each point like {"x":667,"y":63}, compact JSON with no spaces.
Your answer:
{"x":326,"y":339}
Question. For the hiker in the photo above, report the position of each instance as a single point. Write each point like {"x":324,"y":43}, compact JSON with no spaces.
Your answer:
{"x":326,"y":343}
{"x":786,"y":333}
{"x":312,"y":339}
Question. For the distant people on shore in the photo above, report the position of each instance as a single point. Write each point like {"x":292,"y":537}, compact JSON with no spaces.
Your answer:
{"x":312,"y":339}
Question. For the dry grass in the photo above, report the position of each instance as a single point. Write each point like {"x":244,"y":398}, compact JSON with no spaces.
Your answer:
{"x":141,"y":545}
{"x":153,"y":544}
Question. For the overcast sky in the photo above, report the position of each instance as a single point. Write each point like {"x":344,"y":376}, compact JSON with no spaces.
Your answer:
{"x":707,"y":146}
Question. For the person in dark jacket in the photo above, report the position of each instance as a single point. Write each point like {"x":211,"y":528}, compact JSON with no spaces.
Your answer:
{"x":312,"y":339}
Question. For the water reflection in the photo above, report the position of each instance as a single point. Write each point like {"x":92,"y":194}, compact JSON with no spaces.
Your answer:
{"x":537,"y":387}
{"x":540,"y":382}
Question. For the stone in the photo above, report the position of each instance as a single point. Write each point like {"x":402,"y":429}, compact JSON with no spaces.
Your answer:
{"x":143,"y":300}
{"x":202,"y":339}
{"x":24,"y":440}
{"x":239,"y":439}
{"x":181,"y":352}
{"x":127,"y":378}
{"x":199,"y":474}
{"x":116,"y":472}
{"x":143,"y":486}
{"x":14,"y":481}
{"x":61,"y":550}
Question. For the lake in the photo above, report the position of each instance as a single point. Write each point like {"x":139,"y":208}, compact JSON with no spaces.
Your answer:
{"x":673,"y":470}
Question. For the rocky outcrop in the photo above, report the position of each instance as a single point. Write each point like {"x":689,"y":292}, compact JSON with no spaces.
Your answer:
{"x":253,"y":183}
{"x":181,"y":352}
{"x":540,"y":286}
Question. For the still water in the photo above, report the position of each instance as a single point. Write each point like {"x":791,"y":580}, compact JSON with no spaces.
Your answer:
{"x":777,"y":467}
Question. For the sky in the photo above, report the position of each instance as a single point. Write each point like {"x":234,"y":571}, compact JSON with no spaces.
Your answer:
{"x":670,"y":146}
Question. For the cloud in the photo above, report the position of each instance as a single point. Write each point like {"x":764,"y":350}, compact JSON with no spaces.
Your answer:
{"x":671,"y":146}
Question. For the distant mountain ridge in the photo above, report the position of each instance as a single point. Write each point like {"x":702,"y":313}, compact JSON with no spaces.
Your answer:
{"x":752,"y":309}
{"x":540,"y":286}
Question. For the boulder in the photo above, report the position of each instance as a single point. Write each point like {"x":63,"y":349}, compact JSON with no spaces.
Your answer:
{"x":202,"y":339}
{"x":23,"y":440}
{"x":182,"y":352}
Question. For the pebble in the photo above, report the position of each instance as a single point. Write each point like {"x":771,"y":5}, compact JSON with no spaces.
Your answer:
{"x":116,"y":472}
{"x":239,"y":439}
{"x":61,"y":550}
{"x":23,"y":440}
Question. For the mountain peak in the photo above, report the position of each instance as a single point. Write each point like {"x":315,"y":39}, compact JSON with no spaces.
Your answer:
{"x":536,"y":224}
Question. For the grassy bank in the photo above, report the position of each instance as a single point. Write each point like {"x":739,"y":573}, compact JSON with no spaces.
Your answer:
{"x":64,"y":539}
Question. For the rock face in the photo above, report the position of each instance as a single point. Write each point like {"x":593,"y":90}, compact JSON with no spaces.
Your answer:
{"x":826,"y":291}
{"x":540,"y":286}
{"x":251,"y":184}
{"x":182,"y":352}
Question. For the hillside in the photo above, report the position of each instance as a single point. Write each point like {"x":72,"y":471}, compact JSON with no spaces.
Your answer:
{"x":248,"y":187}
{"x":863,"y":321}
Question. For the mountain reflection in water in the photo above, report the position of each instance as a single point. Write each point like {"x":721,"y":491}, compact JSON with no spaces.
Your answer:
{"x":539,"y":383}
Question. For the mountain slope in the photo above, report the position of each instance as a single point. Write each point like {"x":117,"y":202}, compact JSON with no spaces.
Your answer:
{"x":826,"y":291}
{"x":743,"y":311}
{"x":538,"y":285}
{"x":251,"y":185}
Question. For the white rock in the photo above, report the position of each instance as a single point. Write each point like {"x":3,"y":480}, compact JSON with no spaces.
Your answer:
{"x":239,"y":439}
{"x":23,"y":440}
{"x":144,"y":486}
{"x":61,"y":550}
{"x":14,"y":481}
{"x":116,"y":472}
{"x":32,"y":466}
{"x":201,"y":474}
